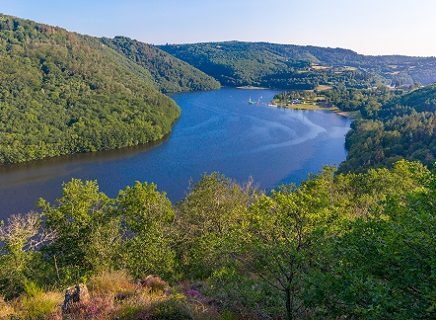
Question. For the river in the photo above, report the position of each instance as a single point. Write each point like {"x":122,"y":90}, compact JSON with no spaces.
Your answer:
{"x":218,"y":131}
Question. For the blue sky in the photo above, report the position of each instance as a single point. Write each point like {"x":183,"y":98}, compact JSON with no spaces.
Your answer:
{"x":367,"y":26}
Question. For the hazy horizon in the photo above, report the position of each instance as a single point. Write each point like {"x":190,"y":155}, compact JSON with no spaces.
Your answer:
{"x":401,"y":27}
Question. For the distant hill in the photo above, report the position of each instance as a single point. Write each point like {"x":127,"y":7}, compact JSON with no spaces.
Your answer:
{"x":170,"y":73}
{"x":64,"y":93}
{"x":300,"y":67}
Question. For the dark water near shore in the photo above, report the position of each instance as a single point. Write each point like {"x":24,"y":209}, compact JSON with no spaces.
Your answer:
{"x":218,"y":131}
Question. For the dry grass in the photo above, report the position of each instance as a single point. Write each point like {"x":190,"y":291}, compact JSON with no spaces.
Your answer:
{"x":323,"y":87}
{"x":6,"y":310}
{"x":112,"y":283}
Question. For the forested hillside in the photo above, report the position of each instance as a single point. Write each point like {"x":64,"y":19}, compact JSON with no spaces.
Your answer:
{"x":170,"y":73}
{"x":354,"y":246}
{"x":402,"y":128}
{"x":300,"y":67}
{"x":64,"y":93}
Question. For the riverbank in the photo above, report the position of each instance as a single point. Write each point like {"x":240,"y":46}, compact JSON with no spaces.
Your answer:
{"x":252,"y":88}
{"x":313,"y":107}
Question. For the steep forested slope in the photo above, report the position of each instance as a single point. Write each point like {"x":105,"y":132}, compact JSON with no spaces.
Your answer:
{"x":63,"y":93}
{"x":170,"y":73}
{"x":404,"y":127}
{"x":280,"y":66}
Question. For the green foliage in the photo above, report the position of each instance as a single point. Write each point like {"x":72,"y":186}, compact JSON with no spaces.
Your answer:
{"x":169,"y":73}
{"x":262,"y":64}
{"x":64,"y":93}
{"x":402,"y":127}
{"x":385,"y":263}
{"x":291,"y":67}
{"x":146,"y":215}
{"x":356,"y":245}
{"x":86,"y":231}
{"x":18,"y":240}
{"x":210,"y":224}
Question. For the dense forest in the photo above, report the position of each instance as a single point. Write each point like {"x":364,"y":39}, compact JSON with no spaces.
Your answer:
{"x":403,"y":127}
{"x":170,"y":73}
{"x":339,"y":246}
{"x":63,"y":93}
{"x":242,"y":64}
{"x":300,"y":67}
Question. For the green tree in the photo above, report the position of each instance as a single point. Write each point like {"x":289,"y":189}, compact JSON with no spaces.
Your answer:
{"x":284,"y":232}
{"x":20,"y":238}
{"x":86,"y":231}
{"x":210,"y":225}
{"x":146,"y":216}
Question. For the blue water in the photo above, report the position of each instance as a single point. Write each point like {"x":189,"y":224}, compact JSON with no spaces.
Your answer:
{"x":218,"y":131}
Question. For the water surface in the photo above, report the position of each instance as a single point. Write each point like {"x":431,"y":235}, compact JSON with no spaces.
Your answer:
{"x":218,"y":131}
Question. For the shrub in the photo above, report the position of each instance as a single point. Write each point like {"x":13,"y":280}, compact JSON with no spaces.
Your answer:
{"x":172,"y":309}
{"x":154,"y":283}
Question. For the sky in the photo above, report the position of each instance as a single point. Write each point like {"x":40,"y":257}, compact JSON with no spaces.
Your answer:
{"x":366,"y":26}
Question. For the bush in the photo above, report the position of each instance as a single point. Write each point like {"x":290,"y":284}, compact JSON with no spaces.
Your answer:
{"x":154,"y":283}
{"x":172,"y":309}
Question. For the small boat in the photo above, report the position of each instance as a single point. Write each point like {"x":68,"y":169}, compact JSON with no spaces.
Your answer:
{"x":272,"y":105}
{"x":250,"y":101}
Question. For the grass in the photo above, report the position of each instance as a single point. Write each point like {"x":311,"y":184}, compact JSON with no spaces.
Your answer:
{"x":323,"y":87}
{"x":111,"y":283}
{"x":115,"y":295}
{"x":308,"y":106}
{"x":41,"y":306}
{"x":6,"y":310}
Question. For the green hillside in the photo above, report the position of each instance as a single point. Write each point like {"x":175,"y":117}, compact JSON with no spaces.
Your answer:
{"x":170,"y":73}
{"x":64,"y":93}
{"x":403,"y":128}
{"x":423,"y":99}
{"x":300,"y":67}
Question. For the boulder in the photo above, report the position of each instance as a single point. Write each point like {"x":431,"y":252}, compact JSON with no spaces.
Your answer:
{"x":74,"y":297}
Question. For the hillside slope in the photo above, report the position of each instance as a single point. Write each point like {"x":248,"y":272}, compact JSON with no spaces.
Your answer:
{"x":276,"y":65}
{"x":403,"y":128}
{"x":64,"y":93}
{"x":170,"y":73}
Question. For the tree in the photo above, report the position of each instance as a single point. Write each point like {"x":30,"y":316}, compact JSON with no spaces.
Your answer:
{"x":210,"y":224}
{"x":20,"y":238}
{"x":284,"y":231}
{"x":380,"y":265}
{"x":86,"y":231}
{"x":146,"y":215}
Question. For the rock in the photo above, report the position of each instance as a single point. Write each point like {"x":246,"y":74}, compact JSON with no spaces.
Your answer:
{"x":74,"y":297}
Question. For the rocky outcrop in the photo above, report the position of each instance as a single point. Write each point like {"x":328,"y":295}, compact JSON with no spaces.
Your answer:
{"x":74,"y":297}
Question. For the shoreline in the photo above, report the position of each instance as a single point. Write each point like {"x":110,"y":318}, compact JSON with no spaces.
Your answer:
{"x":252,"y":88}
{"x":314,"y":107}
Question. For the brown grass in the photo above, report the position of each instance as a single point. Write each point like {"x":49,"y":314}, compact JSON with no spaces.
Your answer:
{"x":112,"y":283}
